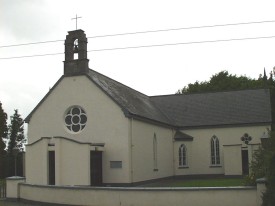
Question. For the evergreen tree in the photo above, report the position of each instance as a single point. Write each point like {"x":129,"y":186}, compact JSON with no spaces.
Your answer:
{"x":16,"y":133}
{"x":3,"y":123}
{"x":3,"y":134}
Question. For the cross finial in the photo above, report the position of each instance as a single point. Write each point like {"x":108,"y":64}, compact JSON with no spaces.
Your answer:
{"x":76,"y":17}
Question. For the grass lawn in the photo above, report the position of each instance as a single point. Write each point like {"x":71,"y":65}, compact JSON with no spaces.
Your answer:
{"x":213,"y":182}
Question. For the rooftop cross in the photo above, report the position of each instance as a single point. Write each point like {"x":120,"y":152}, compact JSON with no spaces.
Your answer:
{"x":76,"y":17}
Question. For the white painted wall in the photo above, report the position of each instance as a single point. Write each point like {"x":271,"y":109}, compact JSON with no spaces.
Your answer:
{"x":199,"y":155}
{"x":232,"y":159}
{"x":37,"y":162}
{"x":72,"y":163}
{"x":142,"y":151}
{"x":238,"y":196}
{"x":12,"y":186}
{"x":106,"y":124}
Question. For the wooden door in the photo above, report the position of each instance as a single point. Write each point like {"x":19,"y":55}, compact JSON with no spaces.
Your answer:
{"x":96,"y":168}
{"x":245,"y":165}
{"x":51,"y":167}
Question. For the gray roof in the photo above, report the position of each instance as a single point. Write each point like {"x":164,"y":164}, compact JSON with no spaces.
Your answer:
{"x":181,"y":136}
{"x":131,"y":101}
{"x":218,"y":108}
{"x":193,"y":110}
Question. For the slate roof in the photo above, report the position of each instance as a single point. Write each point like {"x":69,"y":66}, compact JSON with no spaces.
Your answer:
{"x":181,"y":136}
{"x":193,"y":110}
{"x":182,"y":111}
{"x":131,"y":101}
{"x":218,"y":108}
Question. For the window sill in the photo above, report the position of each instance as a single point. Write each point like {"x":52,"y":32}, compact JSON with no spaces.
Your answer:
{"x":215,"y":166}
{"x":183,"y":167}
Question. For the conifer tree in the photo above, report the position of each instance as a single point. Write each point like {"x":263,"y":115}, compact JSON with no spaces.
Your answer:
{"x":3,"y":134}
{"x":16,"y":132}
{"x":3,"y":123}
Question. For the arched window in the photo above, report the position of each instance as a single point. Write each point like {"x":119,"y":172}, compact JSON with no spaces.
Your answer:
{"x":182,"y":156}
{"x":155,"y":152}
{"x":215,"y":151}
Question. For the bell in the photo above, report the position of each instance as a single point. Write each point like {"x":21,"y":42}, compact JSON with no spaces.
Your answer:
{"x":75,"y":48}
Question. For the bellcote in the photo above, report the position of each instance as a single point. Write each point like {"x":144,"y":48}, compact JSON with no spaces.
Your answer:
{"x":76,"y":62}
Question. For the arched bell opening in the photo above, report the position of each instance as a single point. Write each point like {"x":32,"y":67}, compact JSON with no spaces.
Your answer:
{"x":75,"y":49}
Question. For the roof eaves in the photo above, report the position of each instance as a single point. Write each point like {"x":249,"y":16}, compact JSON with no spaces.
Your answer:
{"x":153,"y":121}
{"x":224,"y":125}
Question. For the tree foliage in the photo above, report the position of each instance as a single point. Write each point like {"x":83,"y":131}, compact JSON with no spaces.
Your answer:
{"x":3,"y":123}
{"x":269,"y":195}
{"x":263,"y":165}
{"x":3,"y":134}
{"x":16,"y":132}
{"x":223,"y":81}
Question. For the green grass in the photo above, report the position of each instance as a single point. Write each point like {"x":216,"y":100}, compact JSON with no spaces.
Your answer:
{"x":213,"y":182}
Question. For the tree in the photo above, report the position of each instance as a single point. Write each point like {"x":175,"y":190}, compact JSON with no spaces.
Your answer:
{"x":16,"y":133}
{"x":3,"y":123}
{"x":269,"y":195}
{"x":3,"y":134}
{"x":263,"y":165}
{"x":223,"y":81}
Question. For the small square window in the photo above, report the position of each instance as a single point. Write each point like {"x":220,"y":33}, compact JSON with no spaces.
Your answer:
{"x":115,"y":164}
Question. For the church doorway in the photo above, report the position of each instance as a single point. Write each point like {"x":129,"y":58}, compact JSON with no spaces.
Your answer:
{"x":96,"y":168}
{"x":245,"y":166}
{"x":51,"y":167}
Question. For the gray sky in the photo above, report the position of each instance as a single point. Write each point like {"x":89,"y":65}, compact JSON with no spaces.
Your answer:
{"x":152,"y":71}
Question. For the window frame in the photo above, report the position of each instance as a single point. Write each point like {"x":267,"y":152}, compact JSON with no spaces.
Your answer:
{"x":215,"y":159}
{"x":155,"y":152}
{"x":182,"y":155}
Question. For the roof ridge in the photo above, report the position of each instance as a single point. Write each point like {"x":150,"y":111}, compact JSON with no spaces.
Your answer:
{"x":210,"y":92}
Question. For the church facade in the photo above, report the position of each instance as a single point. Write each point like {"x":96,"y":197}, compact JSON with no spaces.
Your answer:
{"x":92,"y":130}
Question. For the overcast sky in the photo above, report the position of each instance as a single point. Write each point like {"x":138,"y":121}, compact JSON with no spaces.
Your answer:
{"x":153,"y":70}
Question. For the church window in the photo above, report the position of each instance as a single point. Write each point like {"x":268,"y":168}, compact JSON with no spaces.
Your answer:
{"x":75,"y":119}
{"x":155,"y":152}
{"x":215,"y":151}
{"x":182,"y":156}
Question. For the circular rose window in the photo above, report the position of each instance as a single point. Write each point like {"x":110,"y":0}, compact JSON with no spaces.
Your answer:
{"x":75,"y":119}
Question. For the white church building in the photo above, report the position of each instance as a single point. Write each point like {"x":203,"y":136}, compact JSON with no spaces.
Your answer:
{"x":92,"y":130}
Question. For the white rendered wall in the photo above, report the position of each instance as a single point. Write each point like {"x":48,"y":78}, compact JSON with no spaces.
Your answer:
{"x":142,"y":151}
{"x":232,"y":160}
{"x":199,"y":150}
{"x":238,"y":196}
{"x":106,"y":124}
{"x":37,"y":162}
{"x":72,"y":163}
